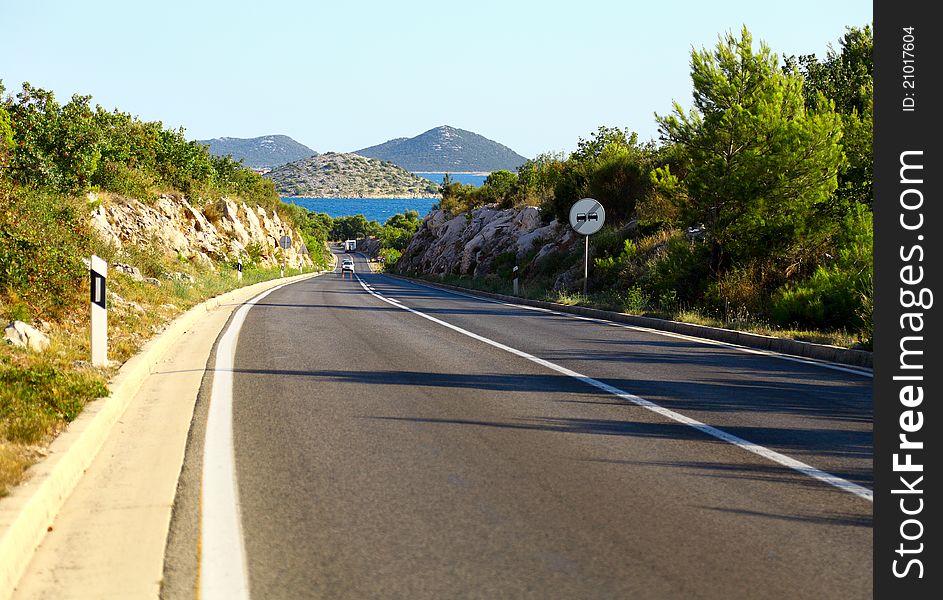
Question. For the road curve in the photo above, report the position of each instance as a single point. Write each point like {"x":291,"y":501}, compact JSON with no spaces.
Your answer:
{"x":380,"y":454}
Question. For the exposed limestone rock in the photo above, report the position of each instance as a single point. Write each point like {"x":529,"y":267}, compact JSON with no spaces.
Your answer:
{"x":468,"y":244}
{"x":119,"y":304}
{"x":133,"y":272}
{"x":20,"y":334}
{"x":177,"y":276}
{"x":216,"y":232}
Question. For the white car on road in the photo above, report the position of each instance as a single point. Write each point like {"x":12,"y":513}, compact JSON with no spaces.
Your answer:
{"x":347,"y":265}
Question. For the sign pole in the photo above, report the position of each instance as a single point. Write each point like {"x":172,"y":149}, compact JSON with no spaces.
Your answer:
{"x":98,"y":272}
{"x":585,"y":264}
{"x":285,"y":244}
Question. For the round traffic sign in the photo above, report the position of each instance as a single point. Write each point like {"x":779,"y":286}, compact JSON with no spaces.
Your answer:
{"x":587,"y":216}
{"x":285,"y":242}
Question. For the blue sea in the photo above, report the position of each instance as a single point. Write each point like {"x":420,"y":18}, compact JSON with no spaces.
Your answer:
{"x":380,"y":209}
{"x":475,"y":180}
{"x":374,"y":209}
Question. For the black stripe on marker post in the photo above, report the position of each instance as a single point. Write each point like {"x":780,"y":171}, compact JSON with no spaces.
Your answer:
{"x":98,"y":289}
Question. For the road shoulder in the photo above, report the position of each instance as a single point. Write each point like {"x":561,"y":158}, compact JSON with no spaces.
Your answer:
{"x":92,"y":521}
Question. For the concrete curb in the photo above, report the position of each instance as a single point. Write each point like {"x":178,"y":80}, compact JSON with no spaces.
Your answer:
{"x":29,"y":510}
{"x":821,"y":352}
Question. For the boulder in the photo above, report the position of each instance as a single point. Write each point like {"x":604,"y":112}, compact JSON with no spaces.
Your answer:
{"x":23,"y":335}
{"x":133,"y":272}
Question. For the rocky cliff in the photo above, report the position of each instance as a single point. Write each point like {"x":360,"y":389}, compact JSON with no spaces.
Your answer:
{"x":218,"y":231}
{"x":471,"y":244}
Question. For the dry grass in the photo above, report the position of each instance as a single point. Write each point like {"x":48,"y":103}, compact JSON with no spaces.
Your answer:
{"x":42,"y":392}
{"x":609,"y":300}
{"x":842,"y":339}
{"x":14,"y":460}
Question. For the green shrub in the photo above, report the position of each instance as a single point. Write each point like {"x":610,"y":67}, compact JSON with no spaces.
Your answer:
{"x":839,"y":294}
{"x":635,"y":301}
{"x":255,"y":251}
{"x":148,"y":258}
{"x":681,"y":270}
{"x":124,"y":180}
{"x":504,"y":265}
{"x":743,"y":291}
{"x":390,"y":257}
{"x":829,"y":299}
{"x":43,"y":238}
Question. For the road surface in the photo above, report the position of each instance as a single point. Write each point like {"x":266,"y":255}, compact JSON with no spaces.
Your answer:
{"x":397,"y":441}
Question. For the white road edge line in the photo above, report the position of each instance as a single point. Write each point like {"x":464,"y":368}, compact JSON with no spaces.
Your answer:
{"x":772,"y":455}
{"x":769,"y":353}
{"x":223,"y":570}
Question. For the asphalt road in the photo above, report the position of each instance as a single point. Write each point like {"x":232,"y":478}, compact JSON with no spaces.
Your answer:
{"x":381,"y":454}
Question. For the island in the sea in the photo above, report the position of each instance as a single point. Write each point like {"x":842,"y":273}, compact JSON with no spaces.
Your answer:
{"x":342,"y":175}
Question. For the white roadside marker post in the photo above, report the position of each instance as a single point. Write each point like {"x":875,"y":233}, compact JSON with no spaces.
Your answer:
{"x":239,"y":268}
{"x":98,"y":272}
{"x":515,"y":280}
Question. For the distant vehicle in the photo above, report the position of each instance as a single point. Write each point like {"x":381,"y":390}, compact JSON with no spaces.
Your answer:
{"x":350,"y":245}
{"x":347,"y":265}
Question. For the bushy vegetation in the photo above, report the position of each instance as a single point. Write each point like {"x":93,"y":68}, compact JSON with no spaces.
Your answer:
{"x":73,"y":148}
{"x":314,"y":232}
{"x":51,"y":156}
{"x":392,"y":237}
{"x":754,"y":204}
{"x":42,"y":239}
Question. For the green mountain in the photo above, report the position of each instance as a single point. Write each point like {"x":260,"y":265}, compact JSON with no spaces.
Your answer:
{"x":446,"y":150}
{"x":266,"y":152}
{"x":338,"y":175}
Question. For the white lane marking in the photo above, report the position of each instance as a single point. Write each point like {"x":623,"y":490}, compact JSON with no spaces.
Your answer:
{"x":223,"y":571}
{"x":772,"y":455}
{"x":769,"y":353}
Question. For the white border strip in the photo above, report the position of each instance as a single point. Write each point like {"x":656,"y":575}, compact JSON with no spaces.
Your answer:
{"x":224,"y":574}
{"x":772,"y":455}
{"x":769,"y":353}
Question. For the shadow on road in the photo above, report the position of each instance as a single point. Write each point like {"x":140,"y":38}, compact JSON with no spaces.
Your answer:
{"x":800,"y":440}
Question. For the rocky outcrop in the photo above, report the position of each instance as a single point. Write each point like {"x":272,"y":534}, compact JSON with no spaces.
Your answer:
{"x":470,"y":243}
{"x":220,"y":231}
{"x":339,"y":175}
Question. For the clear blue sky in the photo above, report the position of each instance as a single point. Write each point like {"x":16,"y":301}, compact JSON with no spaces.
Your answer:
{"x":533,"y":75}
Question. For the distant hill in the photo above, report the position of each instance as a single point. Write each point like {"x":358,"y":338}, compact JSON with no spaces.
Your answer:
{"x":266,"y":152}
{"x":338,"y":175}
{"x":446,"y":150}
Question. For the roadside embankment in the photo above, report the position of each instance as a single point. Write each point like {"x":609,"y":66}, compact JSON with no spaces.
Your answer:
{"x":28,"y":513}
{"x":820,"y":352}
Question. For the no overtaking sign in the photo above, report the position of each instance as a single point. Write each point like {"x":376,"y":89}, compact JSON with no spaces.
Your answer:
{"x":587,"y":216}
